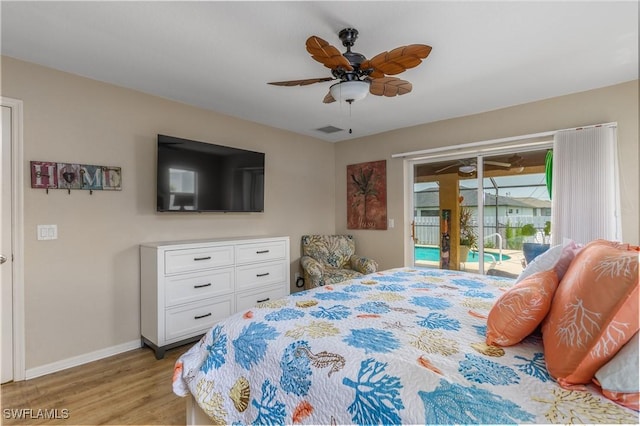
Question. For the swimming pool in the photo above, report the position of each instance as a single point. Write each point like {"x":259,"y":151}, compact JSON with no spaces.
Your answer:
{"x":432,"y":254}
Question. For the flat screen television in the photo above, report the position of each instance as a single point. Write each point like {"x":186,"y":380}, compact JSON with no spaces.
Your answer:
{"x":196,"y":176}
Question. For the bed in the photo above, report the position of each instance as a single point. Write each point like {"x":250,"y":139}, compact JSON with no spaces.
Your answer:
{"x":402,"y":346}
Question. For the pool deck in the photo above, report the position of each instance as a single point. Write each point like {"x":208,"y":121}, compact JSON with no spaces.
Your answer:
{"x":508,"y":268}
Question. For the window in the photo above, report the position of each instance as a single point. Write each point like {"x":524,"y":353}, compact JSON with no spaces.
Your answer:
{"x":512,"y":193}
{"x":182,"y":184}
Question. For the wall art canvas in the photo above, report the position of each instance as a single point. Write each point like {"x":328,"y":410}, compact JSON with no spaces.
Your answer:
{"x":44,"y":174}
{"x":367,"y":195}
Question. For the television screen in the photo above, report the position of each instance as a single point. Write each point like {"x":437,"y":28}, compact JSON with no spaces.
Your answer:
{"x":202,"y":177}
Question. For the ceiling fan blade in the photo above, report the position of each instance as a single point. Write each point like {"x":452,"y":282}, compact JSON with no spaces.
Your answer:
{"x":389,"y":86}
{"x":301,"y":82}
{"x":397,"y":60}
{"x":498,"y":163}
{"x":515,"y":160}
{"x":448,"y":167}
{"x":327,"y":54}
{"x":328,"y":98}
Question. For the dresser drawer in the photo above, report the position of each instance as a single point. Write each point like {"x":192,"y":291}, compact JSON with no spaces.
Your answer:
{"x":196,"y":286}
{"x":196,"y":318}
{"x":250,"y":277}
{"x":249,"y":299}
{"x":258,"y":252}
{"x":188,"y":260}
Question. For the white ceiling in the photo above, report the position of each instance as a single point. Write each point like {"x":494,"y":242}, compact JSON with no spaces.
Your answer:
{"x":220,"y":55}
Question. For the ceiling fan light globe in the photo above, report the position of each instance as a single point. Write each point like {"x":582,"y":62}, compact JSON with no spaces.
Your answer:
{"x":467,"y":169}
{"x":349,"y":91}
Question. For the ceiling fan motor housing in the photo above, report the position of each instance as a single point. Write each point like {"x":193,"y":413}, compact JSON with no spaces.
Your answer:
{"x":348,"y":37}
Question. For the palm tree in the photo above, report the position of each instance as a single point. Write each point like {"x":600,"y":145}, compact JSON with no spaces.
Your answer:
{"x":365,"y":188}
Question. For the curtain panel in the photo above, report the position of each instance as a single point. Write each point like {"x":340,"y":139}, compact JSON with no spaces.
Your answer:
{"x":585,"y":193}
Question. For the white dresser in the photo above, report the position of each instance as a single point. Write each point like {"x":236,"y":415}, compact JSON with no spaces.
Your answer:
{"x":188,"y":286}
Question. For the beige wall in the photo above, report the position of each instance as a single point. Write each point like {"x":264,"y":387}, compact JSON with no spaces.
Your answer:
{"x":616,"y":103}
{"x":82,"y":291}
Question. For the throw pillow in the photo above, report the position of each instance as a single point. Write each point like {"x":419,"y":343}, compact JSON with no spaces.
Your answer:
{"x":569,"y":251}
{"x":593,"y":314}
{"x":518,"y":312}
{"x":543,"y":262}
{"x":619,"y":378}
{"x":557,"y":257}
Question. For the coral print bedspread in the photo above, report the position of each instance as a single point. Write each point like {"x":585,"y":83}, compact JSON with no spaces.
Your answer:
{"x":404,"y":346}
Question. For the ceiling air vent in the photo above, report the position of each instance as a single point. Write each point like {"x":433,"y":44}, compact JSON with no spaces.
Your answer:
{"x":329,"y":129}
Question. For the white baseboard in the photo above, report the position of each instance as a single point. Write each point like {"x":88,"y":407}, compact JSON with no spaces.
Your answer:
{"x":81,"y":359}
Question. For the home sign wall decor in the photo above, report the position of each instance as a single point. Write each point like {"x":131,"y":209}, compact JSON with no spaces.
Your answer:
{"x":49,"y":175}
{"x":367,"y":195}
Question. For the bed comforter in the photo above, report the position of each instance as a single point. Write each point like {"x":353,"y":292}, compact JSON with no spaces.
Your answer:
{"x":404,"y":346}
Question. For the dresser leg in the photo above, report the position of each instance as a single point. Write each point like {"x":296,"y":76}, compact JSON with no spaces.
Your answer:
{"x":159,"y":353}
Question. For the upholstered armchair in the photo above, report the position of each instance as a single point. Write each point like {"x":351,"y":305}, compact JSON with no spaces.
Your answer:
{"x":330,"y":259}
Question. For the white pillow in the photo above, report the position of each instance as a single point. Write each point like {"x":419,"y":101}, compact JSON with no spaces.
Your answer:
{"x":557,"y":257}
{"x":543,"y":262}
{"x":620,"y":374}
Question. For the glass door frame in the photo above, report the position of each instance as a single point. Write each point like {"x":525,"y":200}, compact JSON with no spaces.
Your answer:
{"x":454,"y":154}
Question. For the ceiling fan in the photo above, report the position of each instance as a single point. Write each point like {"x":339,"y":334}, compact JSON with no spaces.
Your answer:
{"x":517,"y":163}
{"x":469,"y":166}
{"x":358,"y":75}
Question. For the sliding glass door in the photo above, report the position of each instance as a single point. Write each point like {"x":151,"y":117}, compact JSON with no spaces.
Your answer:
{"x":478,"y":213}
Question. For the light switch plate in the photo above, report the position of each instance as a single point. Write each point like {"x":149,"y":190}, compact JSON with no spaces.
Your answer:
{"x":47,"y":232}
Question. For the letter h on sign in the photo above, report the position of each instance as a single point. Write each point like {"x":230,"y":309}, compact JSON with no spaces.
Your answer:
{"x":44,"y":174}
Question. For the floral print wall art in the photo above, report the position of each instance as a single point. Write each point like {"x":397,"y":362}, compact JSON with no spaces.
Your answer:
{"x":367,"y":195}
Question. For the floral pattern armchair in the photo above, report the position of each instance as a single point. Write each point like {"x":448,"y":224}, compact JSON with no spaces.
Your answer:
{"x":330,"y":259}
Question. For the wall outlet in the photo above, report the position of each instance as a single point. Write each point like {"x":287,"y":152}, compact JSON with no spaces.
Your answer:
{"x":47,"y":232}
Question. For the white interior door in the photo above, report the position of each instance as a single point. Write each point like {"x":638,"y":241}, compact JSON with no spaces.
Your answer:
{"x":6,"y":266}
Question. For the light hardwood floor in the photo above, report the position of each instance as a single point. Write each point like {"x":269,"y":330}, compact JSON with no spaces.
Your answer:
{"x":132,"y":388}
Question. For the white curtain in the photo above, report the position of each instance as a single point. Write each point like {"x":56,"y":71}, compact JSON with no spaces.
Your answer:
{"x":585,"y":200}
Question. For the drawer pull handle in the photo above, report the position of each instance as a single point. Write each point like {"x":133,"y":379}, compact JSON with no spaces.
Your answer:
{"x":262,"y":275}
{"x":202,"y":316}
{"x":202,"y":285}
{"x":202,"y":258}
{"x":262,"y":251}
{"x":263,"y":300}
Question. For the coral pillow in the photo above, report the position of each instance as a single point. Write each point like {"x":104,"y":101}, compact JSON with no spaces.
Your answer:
{"x":593,"y":314}
{"x":521,"y":309}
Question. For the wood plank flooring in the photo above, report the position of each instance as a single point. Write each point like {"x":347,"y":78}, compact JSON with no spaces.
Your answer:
{"x":132,"y":388}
